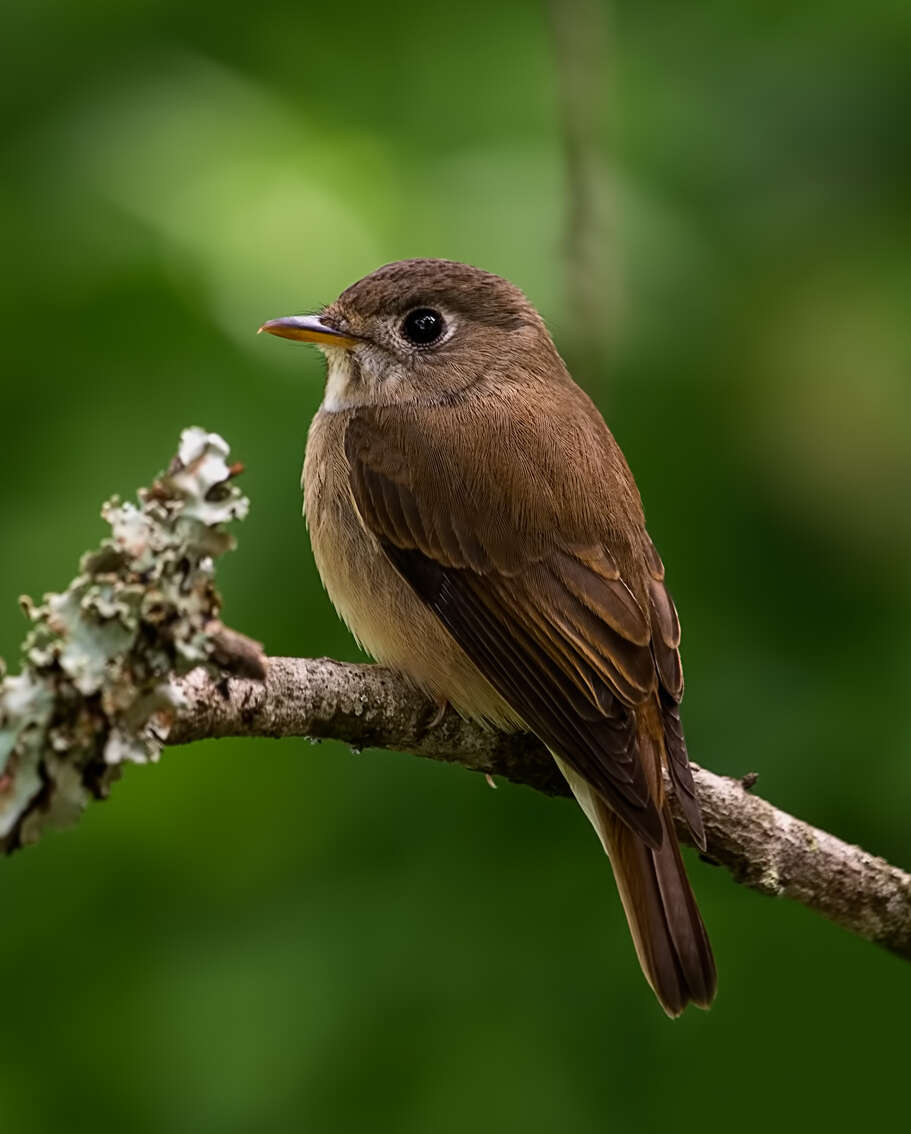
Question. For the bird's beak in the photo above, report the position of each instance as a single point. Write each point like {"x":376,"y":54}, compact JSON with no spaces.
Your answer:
{"x":307,"y":329}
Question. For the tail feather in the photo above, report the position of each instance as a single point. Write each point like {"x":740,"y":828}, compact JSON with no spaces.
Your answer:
{"x":667,"y":929}
{"x":666,"y":926}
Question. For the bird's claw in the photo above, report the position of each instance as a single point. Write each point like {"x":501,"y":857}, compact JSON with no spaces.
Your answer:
{"x":437,"y":718}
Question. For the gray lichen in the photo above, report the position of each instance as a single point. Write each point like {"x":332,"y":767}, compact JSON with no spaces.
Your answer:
{"x":96,"y":690}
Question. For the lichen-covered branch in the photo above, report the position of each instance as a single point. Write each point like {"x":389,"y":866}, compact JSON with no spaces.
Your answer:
{"x":100,"y":661}
{"x":133,"y":656}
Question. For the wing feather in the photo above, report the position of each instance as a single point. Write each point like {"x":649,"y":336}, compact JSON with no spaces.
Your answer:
{"x":571,"y":641}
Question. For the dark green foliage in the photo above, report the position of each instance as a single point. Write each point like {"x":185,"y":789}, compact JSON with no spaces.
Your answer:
{"x":271,"y":938}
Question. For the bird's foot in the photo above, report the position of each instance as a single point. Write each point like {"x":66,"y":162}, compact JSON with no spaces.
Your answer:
{"x":442,"y":705}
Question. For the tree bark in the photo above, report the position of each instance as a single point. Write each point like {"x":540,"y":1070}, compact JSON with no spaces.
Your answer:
{"x":368,"y":706}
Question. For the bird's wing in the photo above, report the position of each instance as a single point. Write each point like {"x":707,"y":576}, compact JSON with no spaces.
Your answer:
{"x":527,"y":584}
{"x":665,"y":632}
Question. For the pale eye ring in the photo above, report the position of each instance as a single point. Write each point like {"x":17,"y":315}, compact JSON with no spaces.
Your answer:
{"x":423,"y":326}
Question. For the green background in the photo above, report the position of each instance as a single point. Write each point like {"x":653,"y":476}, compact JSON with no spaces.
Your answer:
{"x":273,"y":936}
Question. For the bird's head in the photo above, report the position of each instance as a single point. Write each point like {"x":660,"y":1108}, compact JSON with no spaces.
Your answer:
{"x":422,"y":331}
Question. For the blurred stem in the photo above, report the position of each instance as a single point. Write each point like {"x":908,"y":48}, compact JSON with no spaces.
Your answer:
{"x":583,"y":62}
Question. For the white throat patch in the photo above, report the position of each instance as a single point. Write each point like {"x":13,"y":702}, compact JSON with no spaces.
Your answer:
{"x":337,"y":396}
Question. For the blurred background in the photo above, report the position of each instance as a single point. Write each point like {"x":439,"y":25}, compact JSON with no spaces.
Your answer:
{"x":709,"y":202}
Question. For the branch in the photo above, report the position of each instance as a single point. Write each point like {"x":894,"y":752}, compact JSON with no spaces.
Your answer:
{"x":100,"y":662}
{"x":133,"y":655}
{"x":367,"y":706}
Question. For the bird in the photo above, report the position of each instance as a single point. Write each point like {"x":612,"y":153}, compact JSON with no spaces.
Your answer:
{"x":478,"y":529}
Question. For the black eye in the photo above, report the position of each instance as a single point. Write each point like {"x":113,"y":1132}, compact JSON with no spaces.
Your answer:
{"x":423,"y":326}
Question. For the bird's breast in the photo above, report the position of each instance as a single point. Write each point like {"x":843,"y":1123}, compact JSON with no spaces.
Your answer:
{"x":382,"y":611}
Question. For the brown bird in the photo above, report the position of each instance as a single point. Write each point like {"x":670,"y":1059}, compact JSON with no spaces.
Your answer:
{"x":477,"y":527}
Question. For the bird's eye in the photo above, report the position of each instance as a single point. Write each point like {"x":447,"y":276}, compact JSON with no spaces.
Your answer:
{"x":423,"y":326}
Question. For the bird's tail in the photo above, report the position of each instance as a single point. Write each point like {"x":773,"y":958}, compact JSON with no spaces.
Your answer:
{"x":664,"y":920}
